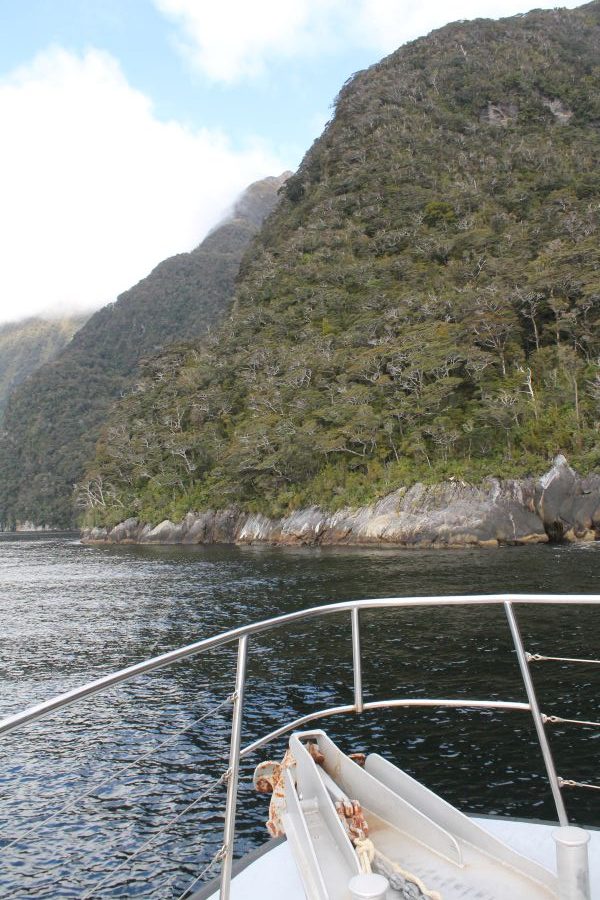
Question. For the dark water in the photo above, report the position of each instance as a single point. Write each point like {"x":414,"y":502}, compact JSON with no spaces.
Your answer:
{"x":71,"y":613}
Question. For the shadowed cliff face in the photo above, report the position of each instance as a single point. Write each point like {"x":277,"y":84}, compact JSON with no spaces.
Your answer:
{"x":53,"y":419}
{"x":423,"y":303}
{"x":559,"y":506}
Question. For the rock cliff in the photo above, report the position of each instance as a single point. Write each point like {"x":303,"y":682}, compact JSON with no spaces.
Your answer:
{"x":561,"y":505}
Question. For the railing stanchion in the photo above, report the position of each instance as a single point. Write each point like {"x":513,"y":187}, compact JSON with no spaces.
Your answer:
{"x":356,"y":660}
{"x":536,"y":714}
{"x":234,"y":768}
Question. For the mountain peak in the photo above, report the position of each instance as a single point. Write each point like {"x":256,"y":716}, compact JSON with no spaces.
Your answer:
{"x":259,"y":199}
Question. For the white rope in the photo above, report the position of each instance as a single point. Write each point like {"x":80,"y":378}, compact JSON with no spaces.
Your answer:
{"x":568,"y":782}
{"x":153,"y":837}
{"x":101,"y":784}
{"x":537,"y":657}
{"x":558,"y":720}
{"x":365,"y":850}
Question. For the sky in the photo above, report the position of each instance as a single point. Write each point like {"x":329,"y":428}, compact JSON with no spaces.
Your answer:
{"x":130,"y":126}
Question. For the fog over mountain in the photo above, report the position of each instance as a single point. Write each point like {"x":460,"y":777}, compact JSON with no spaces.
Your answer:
{"x":54,"y":418}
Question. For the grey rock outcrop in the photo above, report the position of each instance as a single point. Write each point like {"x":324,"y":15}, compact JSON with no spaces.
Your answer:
{"x":561,"y":505}
{"x":567,"y":504}
{"x":452,"y":514}
{"x":499,"y":114}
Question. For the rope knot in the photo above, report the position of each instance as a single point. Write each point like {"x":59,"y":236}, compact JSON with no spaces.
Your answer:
{"x":365,"y":850}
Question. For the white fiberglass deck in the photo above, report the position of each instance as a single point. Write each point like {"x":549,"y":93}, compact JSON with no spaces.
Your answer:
{"x":274,"y":876}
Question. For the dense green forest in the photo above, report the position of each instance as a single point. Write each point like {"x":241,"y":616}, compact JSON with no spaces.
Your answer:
{"x":27,"y":345}
{"x":53,"y":419}
{"x":424,"y":303}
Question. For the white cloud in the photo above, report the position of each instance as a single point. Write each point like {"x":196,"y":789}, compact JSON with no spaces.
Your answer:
{"x":386,"y":24}
{"x":234,"y":39}
{"x":95,"y":189}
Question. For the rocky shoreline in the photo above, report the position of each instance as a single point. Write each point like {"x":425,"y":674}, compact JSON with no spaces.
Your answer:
{"x":559,"y":506}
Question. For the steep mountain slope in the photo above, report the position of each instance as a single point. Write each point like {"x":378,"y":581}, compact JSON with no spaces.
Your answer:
{"x":52,"y":420}
{"x":27,"y":345}
{"x":425,"y":303}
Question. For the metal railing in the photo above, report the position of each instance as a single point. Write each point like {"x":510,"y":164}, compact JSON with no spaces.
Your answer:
{"x":241,"y":636}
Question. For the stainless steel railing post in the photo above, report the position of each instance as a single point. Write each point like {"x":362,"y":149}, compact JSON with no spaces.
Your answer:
{"x":234,"y":768}
{"x":536,"y":714}
{"x":356,"y":660}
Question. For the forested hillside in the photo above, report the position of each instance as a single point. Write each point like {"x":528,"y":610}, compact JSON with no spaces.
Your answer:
{"x":53,"y":419}
{"x":424,"y":304}
{"x":27,"y":345}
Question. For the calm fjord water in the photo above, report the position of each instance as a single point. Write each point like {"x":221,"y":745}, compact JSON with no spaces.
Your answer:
{"x":71,"y":613}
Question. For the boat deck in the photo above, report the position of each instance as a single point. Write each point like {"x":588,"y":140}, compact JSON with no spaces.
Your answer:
{"x":273,"y":874}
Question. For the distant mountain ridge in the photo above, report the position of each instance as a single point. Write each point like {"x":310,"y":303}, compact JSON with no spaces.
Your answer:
{"x":166,"y":306}
{"x":28,"y":344}
{"x":423,"y":305}
{"x":53,"y":419}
